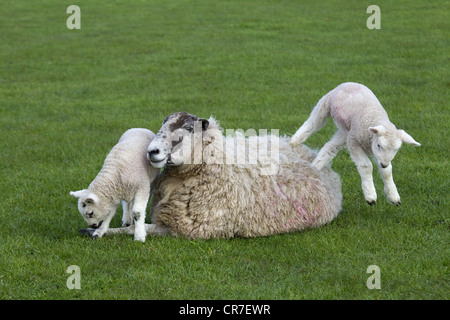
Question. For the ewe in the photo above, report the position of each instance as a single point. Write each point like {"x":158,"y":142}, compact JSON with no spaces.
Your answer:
{"x":365,"y":127}
{"x":125,"y":176}
{"x":205,"y":192}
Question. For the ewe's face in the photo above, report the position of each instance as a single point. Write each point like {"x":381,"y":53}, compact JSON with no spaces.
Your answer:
{"x":90,"y":208}
{"x":166,"y":147}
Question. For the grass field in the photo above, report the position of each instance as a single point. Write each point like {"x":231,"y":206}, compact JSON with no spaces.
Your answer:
{"x":66,"y":96}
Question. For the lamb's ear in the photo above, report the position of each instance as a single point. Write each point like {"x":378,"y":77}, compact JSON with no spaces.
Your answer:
{"x":77,"y":194}
{"x":205,"y":124}
{"x":378,"y":130}
{"x":406,"y":138}
{"x":92,"y":198}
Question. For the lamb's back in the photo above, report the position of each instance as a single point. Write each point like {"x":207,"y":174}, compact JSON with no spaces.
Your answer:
{"x":353,"y":106}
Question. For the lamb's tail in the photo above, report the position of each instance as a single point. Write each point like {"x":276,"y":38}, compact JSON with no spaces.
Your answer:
{"x":315,"y":121}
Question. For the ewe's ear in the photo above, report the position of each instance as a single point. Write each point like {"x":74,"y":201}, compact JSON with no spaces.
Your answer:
{"x":378,"y":130}
{"x":406,"y":138}
{"x":91,"y":198}
{"x":205,"y":124}
{"x":77,"y":194}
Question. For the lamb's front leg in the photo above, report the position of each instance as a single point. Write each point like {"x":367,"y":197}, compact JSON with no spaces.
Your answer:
{"x":365,"y":168}
{"x":330,"y":149}
{"x":139,"y":207}
{"x":101,"y":231}
{"x":390,"y":189}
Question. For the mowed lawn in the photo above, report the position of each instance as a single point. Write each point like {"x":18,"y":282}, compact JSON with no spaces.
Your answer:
{"x":66,"y":96}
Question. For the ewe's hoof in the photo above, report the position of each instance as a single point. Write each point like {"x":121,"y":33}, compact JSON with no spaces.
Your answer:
{"x":87,"y":232}
{"x":396,"y":203}
{"x":372,"y":203}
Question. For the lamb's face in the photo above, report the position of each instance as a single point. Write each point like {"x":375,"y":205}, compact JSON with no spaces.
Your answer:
{"x":177,"y":131}
{"x":387,"y":142}
{"x":90,"y":208}
{"x":385,"y":148}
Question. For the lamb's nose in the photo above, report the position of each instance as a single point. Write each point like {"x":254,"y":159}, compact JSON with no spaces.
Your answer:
{"x":384,"y":166}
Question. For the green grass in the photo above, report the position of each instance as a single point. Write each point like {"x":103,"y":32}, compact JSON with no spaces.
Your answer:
{"x":66,"y":96}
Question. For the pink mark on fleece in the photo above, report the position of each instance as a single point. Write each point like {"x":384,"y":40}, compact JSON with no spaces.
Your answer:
{"x":303,"y":217}
{"x":340,"y":116}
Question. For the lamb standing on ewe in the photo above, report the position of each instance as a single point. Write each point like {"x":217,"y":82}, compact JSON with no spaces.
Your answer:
{"x":364,"y":126}
{"x":200,"y":195}
{"x":125,"y":176}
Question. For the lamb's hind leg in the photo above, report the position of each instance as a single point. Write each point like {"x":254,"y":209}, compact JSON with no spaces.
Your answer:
{"x":365,"y":168}
{"x":127,"y":217}
{"x":314,"y":123}
{"x":390,"y":189}
{"x":330,"y":149}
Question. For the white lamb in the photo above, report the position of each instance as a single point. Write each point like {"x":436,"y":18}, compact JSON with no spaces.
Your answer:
{"x":364,"y":126}
{"x":125,"y":176}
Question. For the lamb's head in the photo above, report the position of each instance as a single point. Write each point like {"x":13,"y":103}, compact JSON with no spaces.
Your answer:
{"x":387,"y":141}
{"x":90,"y":207}
{"x":167,"y":146}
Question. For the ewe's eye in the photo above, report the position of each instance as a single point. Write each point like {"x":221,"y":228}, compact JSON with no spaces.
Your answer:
{"x":83,"y":205}
{"x":378,"y":145}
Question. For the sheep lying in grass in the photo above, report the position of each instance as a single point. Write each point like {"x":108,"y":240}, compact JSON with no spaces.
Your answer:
{"x":364,"y":126}
{"x":202,"y":194}
{"x":125,"y":176}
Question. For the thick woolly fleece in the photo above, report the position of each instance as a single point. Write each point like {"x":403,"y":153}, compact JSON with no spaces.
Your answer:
{"x":211,"y":200}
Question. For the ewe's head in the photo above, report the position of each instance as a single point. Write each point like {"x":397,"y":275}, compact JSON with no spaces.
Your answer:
{"x":90,"y":208}
{"x":386,"y":143}
{"x":178,"y":131}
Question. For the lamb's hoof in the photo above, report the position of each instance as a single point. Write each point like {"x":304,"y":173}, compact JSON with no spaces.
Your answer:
{"x":87,"y":232}
{"x":372,"y":203}
{"x":396,"y":203}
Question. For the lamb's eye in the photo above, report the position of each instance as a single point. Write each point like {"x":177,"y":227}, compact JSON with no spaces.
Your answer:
{"x":83,"y":205}
{"x":378,"y":145}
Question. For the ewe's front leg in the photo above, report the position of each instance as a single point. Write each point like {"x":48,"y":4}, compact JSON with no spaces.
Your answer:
{"x":365,"y":168}
{"x":390,"y":189}
{"x":150,"y":229}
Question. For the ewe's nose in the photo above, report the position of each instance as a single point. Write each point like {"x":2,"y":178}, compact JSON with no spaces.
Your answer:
{"x":152,"y":153}
{"x":384,"y":166}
